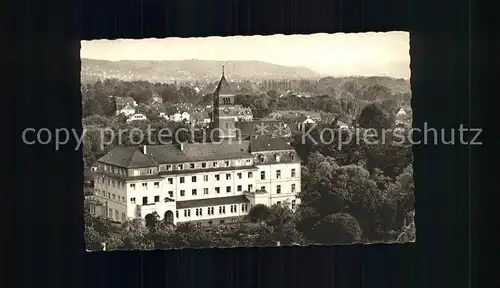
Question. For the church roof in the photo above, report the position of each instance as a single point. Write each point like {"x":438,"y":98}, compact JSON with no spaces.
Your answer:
{"x":223,"y":87}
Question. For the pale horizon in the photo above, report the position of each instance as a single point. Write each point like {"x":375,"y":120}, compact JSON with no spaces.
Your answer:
{"x":340,"y":54}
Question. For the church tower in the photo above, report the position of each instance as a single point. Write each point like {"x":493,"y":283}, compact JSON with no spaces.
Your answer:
{"x":224,"y":112}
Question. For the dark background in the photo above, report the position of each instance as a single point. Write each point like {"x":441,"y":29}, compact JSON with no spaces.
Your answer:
{"x":43,"y":78}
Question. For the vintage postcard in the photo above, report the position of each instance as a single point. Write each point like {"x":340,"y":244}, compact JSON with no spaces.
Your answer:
{"x":247,"y":141}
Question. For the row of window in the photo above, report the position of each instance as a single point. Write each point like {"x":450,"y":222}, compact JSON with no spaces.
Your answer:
{"x":194,"y":179}
{"x":145,"y":185}
{"x":194,"y":192}
{"x":110,"y":196}
{"x":116,"y":215}
{"x":203,"y":165}
{"x":211,"y":210}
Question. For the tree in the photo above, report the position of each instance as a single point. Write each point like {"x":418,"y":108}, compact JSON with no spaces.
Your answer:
{"x":374,"y":116}
{"x":340,"y":228}
{"x":259,"y":213}
{"x":152,"y":221}
{"x":135,"y":235}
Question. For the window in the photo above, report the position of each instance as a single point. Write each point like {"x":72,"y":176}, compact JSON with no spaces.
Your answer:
{"x":262,"y":158}
{"x":203,"y":165}
{"x":114,"y":197}
{"x":132,"y":185}
{"x":226,"y":101}
{"x":145,"y":200}
{"x":205,"y":178}
{"x":109,"y":195}
{"x":293,"y":204}
{"x":215,"y":164}
{"x":212,"y":210}
{"x":180,"y":166}
{"x":201,"y":212}
{"x":217,"y":177}
{"x":263,"y":188}
{"x":250,"y":187}
{"x":145,"y":185}
{"x":193,"y":192}
{"x":181,"y":180}
{"x":293,"y":157}
{"x":157,"y":184}
{"x":132,"y":200}
{"x":278,"y":189}
{"x":293,"y":173}
{"x":189,"y":212}
{"x":293,"y":188}
{"x":278,"y":158}
{"x":171,"y":193}
{"x":228,"y":189}
{"x":262,"y":175}
{"x":249,"y":162}
{"x":191,"y":165}
{"x":170,"y":180}
{"x":157,"y":198}
{"x":239,"y":175}
{"x":197,"y":211}
{"x":124,"y":217}
{"x":183,"y":192}
{"x":220,"y":209}
{"x":228,"y":176}
{"x":176,"y":213}
{"x":226,"y":162}
{"x":227,"y":125}
{"x":278,"y":174}
{"x":185,"y":212}
{"x":117,"y":215}
{"x":110,"y":213}
{"x":193,"y":179}
{"x":205,"y":191}
{"x":217,"y":190}
{"x":169,"y":167}
{"x":232,"y":209}
{"x":250,"y":174}
{"x":239,"y":188}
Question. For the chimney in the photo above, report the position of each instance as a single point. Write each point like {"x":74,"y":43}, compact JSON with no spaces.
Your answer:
{"x":144,"y":149}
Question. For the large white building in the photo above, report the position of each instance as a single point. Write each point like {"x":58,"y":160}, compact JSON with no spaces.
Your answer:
{"x":200,"y":182}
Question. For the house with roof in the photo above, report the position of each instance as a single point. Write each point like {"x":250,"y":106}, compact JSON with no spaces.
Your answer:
{"x":127,"y":111}
{"x":215,"y":182}
{"x":304,"y":121}
{"x":125,"y":105}
{"x":137,"y":117}
{"x":243,"y":113}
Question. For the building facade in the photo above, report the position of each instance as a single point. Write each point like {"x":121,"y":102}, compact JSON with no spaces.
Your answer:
{"x":211,"y":183}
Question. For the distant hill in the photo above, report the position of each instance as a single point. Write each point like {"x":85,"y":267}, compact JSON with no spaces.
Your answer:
{"x":189,"y":70}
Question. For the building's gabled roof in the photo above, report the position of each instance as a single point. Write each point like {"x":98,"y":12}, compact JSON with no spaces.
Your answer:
{"x":219,"y":201}
{"x":223,"y":88}
{"x":267,"y":143}
{"x":123,"y":101}
{"x":127,"y":157}
{"x":193,"y":152}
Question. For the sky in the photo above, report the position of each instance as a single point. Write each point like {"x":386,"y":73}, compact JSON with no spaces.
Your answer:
{"x":341,"y":54}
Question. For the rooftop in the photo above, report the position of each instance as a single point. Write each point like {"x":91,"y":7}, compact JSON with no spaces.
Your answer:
{"x":127,"y":157}
{"x":212,"y":202}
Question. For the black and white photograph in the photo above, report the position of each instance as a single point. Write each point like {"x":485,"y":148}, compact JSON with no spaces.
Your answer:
{"x":247,"y":141}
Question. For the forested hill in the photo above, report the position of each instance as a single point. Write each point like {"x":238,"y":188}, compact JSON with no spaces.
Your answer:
{"x":189,"y":70}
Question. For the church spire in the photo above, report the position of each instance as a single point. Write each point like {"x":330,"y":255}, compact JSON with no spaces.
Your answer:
{"x":222,"y":70}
